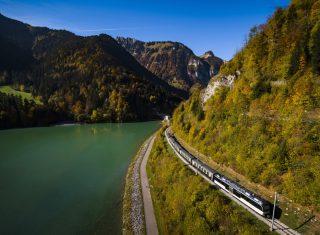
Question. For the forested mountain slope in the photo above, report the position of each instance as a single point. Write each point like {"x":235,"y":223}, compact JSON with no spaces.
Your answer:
{"x":264,"y":122}
{"x":173,"y":62}
{"x":83,"y":78}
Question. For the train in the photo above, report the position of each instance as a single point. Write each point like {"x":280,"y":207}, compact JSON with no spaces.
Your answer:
{"x":255,"y":202}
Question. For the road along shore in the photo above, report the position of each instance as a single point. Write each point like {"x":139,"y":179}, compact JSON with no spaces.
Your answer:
{"x":137,"y":200}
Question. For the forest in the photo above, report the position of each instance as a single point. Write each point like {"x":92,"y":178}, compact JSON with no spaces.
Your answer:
{"x":85,"y":79}
{"x":266,"y":124}
{"x":18,"y":112}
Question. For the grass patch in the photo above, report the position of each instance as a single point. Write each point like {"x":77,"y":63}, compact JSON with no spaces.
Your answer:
{"x":24,"y":95}
{"x":185,"y":204}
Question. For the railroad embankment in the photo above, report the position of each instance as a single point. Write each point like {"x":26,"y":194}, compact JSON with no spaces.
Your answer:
{"x":185,"y":203}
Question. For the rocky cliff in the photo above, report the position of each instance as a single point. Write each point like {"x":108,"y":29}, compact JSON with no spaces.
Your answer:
{"x":173,"y":62}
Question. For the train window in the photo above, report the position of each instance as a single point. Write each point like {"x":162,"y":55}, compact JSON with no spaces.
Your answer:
{"x":221,"y":182}
{"x":252,"y":203}
{"x":235,"y":192}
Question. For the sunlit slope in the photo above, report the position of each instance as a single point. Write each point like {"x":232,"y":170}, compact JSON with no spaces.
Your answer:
{"x":24,"y":95}
{"x":265,"y":123}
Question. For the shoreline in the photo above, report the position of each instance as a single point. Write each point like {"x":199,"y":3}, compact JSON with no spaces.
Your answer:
{"x":71,"y":123}
{"x":132,"y":185}
{"x":66,"y":124}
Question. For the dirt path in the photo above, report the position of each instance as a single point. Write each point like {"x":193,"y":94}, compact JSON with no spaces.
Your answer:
{"x":151,"y":223}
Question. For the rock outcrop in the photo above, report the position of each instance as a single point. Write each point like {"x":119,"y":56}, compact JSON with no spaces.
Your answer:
{"x":173,"y":62}
{"x":217,"y":82}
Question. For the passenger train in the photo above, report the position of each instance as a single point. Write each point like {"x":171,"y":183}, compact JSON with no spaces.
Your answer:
{"x":256,"y":203}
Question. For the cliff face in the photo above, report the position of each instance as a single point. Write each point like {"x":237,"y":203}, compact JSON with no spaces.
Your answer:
{"x":173,"y":62}
{"x":214,"y":62}
{"x":218,"y":81}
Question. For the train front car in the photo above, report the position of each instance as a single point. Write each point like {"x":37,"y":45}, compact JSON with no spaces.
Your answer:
{"x":256,"y":203}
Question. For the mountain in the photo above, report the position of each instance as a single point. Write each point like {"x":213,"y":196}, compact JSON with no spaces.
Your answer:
{"x":173,"y":62}
{"x":90,"y":79}
{"x":214,"y":62}
{"x":261,"y":114}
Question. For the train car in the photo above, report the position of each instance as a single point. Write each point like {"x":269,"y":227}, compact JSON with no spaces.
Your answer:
{"x":247,"y":197}
{"x":186,"y":155}
{"x":256,"y":203}
{"x":206,"y":170}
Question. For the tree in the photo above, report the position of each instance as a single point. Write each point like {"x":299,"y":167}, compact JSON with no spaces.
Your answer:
{"x":94,"y":115}
{"x":314,"y":47}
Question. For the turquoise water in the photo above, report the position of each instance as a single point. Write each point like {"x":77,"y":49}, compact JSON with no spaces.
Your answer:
{"x":66,"y":179}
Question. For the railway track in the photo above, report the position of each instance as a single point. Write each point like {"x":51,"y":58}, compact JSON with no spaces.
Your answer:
{"x":278,"y":226}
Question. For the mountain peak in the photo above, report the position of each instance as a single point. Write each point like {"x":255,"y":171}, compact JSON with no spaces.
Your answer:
{"x":174,"y":62}
{"x":208,"y":54}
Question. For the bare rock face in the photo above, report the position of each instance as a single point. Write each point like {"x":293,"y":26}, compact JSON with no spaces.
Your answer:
{"x":217,"y":82}
{"x":173,"y":62}
{"x":214,"y":62}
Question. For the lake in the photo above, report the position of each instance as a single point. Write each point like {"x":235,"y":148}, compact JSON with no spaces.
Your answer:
{"x":66,"y":179}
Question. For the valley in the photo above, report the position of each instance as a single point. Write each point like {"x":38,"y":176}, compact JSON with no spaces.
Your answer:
{"x":242,"y":104}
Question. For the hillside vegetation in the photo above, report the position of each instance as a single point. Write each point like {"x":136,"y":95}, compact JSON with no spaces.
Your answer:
{"x":24,"y":95}
{"x":266,"y":125}
{"x":16,"y":111}
{"x":87,"y":79}
{"x":186,"y":204}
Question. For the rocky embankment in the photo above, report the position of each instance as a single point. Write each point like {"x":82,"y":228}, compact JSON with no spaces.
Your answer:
{"x":133,"y":221}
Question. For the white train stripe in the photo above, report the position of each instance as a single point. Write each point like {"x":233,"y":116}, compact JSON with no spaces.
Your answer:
{"x":260,"y":212}
{"x":221,"y":185}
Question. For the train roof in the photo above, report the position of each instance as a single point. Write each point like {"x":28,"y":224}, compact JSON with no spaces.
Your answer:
{"x":242,"y":190}
{"x":203,"y":164}
{"x":233,"y":184}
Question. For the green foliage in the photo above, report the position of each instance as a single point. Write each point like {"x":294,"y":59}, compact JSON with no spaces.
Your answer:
{"x":95,"y":80}
{"x":315,"y":48}
{"x":196,"y":109}
{"x":24,"y":95}
{"x":186,"y":204}
{"x":16,"y":111}
{"x":266,"y":126}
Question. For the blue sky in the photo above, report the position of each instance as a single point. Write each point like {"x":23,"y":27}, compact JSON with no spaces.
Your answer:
{"x":202,"y":25}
